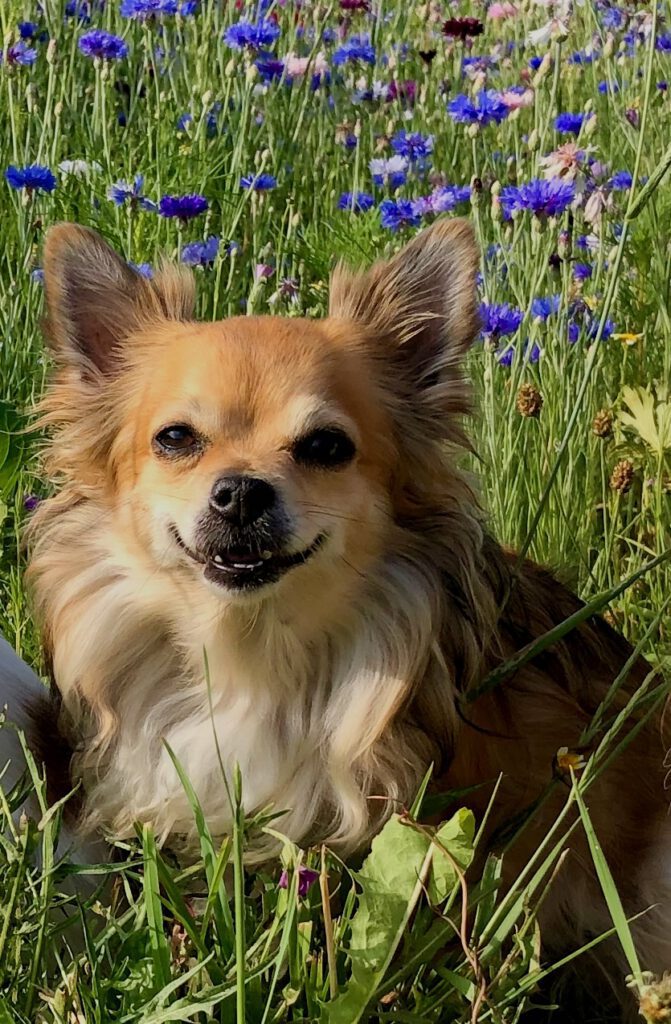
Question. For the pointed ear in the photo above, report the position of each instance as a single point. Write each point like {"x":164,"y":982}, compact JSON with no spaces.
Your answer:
{"x":419,"y":306}
{"x":95,"y":300}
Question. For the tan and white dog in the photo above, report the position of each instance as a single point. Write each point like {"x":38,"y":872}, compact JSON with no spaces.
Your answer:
{"x":284,"y":497}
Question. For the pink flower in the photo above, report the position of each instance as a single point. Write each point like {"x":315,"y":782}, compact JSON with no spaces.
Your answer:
{"x":566,"y":161}
{"x":517,"y":100}
{"x":263,"y":271}
{"x":500,"y":11}
{"x":296,"y":67}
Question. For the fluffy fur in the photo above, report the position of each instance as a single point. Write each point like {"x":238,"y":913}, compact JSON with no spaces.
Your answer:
{"x":337,"y":686}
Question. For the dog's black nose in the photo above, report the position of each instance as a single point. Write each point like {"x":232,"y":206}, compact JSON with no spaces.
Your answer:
{"x":242,"y":499}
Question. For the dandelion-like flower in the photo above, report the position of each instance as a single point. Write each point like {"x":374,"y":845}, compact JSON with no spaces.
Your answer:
{"x":544,"y":197}
{"x":487,"y":108}
{"x":252,"y":35}
{"x":183,"y":207}
{"x":98,"y":43}
{"x":356,"y":202}
{"x":33,"y":178}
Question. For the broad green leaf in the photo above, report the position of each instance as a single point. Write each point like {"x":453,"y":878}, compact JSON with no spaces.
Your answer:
{"x":455,"y":836}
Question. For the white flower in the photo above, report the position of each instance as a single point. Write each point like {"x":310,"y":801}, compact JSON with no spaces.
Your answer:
{"x":79,"y":168}
{"x":552,"y":29}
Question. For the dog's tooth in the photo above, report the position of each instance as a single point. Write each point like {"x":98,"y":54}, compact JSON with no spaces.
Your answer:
{"x":247,"y":565}
{"x":218,"y":559}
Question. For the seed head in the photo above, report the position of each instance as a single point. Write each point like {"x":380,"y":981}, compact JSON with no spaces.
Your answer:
{"x":655,"y":999}
{"x":529,"y":401}
{"x":602,"y":424}
{"x":622,"y":476}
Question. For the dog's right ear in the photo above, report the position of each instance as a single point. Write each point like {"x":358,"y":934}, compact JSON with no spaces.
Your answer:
{"x":95,"y":301}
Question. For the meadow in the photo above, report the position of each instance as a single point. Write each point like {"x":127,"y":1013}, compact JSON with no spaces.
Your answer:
{"x":259,"y":143}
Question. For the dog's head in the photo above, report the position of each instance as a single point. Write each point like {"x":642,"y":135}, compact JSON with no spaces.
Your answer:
{"x":256,"y":451}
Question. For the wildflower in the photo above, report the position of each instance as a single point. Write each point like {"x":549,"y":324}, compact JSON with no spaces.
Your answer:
{"x":413,"y":146}
{"x":517,"y":97}
{"x":612,"y":18}
{"x":354,"y":5}
{"x":529,"y":401}
{"x":356,"y":49}
{"x":543,"y":308}
{"x":544,"y":197}
{"x":627,"y":338}
{"x":306,"y":878}
{"x":500,"y":11}
{"x":251,"y":35}
{"x":399,"y":214}
{"x":582,"y":271}
{"x":602,"y":424}
{"x":37,"y":276}
{"x":569,"y":124}
{"x":404,"y":91}
{"x":392,"y":171}
{"x":608,"y":87}
{"x":663,"y":42}
{"x":506,"y":356}
{"x":356,"y":202}
{"x":269,"y":67}
{"x":621,"y":181}
{"x":124,"y":192}
{"x":30,"y":502}
{"x":487,"y":108}
{"x":567,"y":161}
{"x":184,"y":207}
{"x":599,"y":201}
{"x":622,"y":476}
{"x":19,"y":55}
{"x":499,"y":320}
{"x":654,"y":996}
{"x":201,"y":254}
{"x":28,"y":29}
{"x":143,"y":269}
{"x":446,"y":197}
{"x":567,"y":760}
{"x":79,"y":168}
{"x":262,"y":271}
{"x":34,"y":178}
{"x":98,"y":43}
{"x":296,"y":67}
{"x":553,"y":29}
{"x":143,"y":9}
{"x":463,"y":28}
{"x":258,"y":182}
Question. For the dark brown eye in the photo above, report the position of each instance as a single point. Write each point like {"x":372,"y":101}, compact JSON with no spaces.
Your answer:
{"x":177,"y":439}
{"x":328,"y":448}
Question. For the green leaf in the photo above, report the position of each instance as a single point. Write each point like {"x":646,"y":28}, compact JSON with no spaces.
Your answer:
{"x":649,"y":418}
{"x":455,"y":837}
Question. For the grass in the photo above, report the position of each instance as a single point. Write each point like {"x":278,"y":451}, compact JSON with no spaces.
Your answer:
{"x":583,"y":483}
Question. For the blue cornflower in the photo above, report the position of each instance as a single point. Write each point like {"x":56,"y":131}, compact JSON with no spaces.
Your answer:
{"x":392,"y":171}
{"x":258,"y":182}
{"x":144,"y":9}
{"x":535,"y":63}
{"x":37,"y":276}
{"x":593,"y":327}
{"x":34,"y":178}
{"x":201,"y":254}
{"x":542,"y":196}
{"x":28,"y":29}
{"x":612,"y":18}
{"x":189,"y":8}
{"x":506,"y":356}
{"x":663,"y":42}
{"x":569,"y":124}
{"x":252,"y":35}
{"x":269,"y":67}
{"x":606,"y":87}
{"x":582,"y":57}
{"x":499,"y":319}
{"x":582,"y":271}
{"x":488,"y":107}
{"x":662,"y":85}
{"x":124,"y":192}
{"x":19,"y":55}
{"x":399,"y":214}
{"x":573,"y":332}
{"x":357,"y":202}
{"x":414,"y":146}
{"x":184,"y":207}
{"x":621,"y":181}
{"x":357,"y":48}
{"x":445,"y":198}
{"x":143,"y":269}
{"x":98,"y":43}
{"x":545,"y":307}
{"x":182,"y":121}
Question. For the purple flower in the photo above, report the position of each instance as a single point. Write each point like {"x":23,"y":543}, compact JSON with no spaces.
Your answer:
{"x":248,"y":34}
{"x":30,"y":502}
{"x":445,"y":198}
{"x":399,"y":214}
{"x":124,"y":192}
{"x":506,"y":356}
{"x":269,"y":67}
{"x":612,"y":18}
{"x":306,"y":879}
{"x":545,"y":307}
{"x":621,"y":181}
{"x":28,"y":29}
{"x":201,"y":254}
{"x":37,"y":276}
{"x":569,"y":124}
{"x":19,"y":55}
{"x":357,"y":202}
{"x":143,"y":269}
{"x":663,"y":42}
{"x":546,"y":197}
{"x":258,"y":182}
{"x":357,"y":48}
{"x":98,"y":43}
{"x":144,"y":9}
{"x":488,"y":108}
{"x":184,"y":207}
{"x":497,"y":320}
{"x":392,"y":171}
{"x":413,"y":146}
{"x":582,"y":271}
{"x":262,"y":271}
{"x":34,"y":178}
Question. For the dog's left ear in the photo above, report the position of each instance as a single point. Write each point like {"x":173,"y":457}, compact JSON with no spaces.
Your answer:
{"x":419,"y":307}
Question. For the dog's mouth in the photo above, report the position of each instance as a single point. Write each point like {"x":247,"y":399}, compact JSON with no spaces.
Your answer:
{"x":241,"y":568}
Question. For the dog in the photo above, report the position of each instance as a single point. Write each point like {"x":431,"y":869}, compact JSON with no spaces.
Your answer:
{"x":263,"y":545}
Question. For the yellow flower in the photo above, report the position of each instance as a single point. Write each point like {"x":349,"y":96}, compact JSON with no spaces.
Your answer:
{"x":570,"y":759}
{"x":627,"y":338}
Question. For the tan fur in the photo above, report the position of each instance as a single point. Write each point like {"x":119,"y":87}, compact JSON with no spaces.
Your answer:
{"x":343,"y":681}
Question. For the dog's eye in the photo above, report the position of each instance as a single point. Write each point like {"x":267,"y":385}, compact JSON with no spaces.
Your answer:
{"x":176,"y":438}
{"x":328,"y":448}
